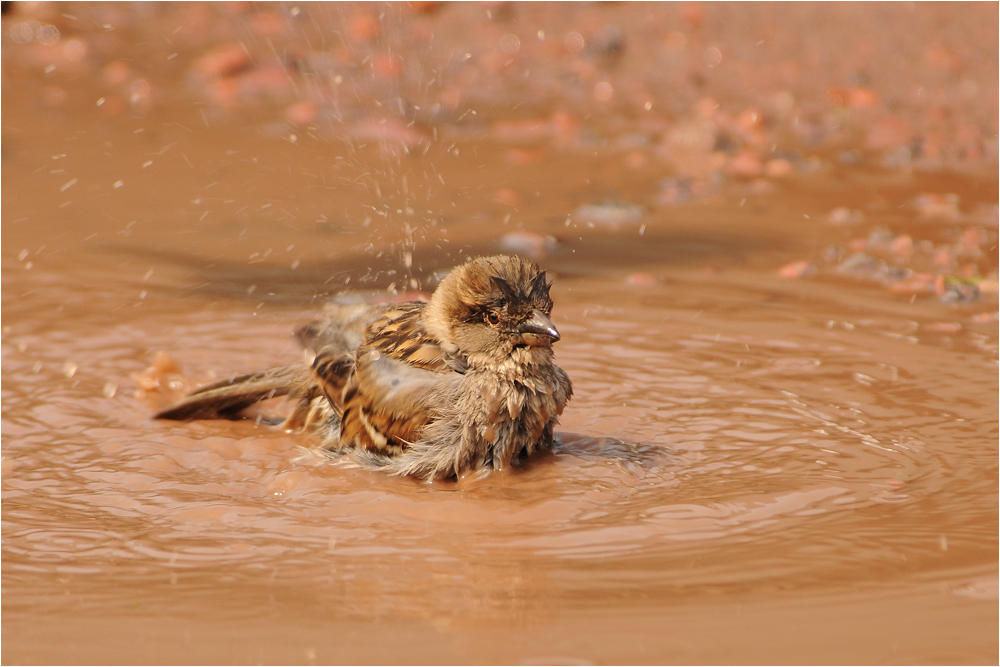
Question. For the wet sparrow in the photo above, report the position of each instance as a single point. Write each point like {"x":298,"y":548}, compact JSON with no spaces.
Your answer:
{"x":461,"y":383}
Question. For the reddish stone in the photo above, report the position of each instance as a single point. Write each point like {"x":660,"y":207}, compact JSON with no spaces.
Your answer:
{"x":302,"y":113}
{"x":944,"y":327}
{"x":916,"y":285}
{"x":508,"y":196}
{"x":363,"y":28}
{"x":222,"y":61}
{"x":798,"y":269}
{"x":116,"y":73}
{"x":387,"y":65}
{"x":744,"y":165}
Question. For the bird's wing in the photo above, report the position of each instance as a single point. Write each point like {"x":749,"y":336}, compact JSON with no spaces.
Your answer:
{"x":227,"y":398}
{"x":331,"y":340}
{"x":331,"y":371}
{"x":399,"y":333}
{"x":340,"y":328}
{"x":398,"y":372}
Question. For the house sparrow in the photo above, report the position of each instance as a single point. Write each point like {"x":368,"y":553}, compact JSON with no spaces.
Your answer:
{"x":463,"y":382}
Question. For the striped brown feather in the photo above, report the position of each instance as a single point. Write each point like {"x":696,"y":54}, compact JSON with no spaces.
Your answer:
{"x":384,"y":401}
{"x":375,"y":426}
{"x":331,"y":370}
{"x":399,"y":333}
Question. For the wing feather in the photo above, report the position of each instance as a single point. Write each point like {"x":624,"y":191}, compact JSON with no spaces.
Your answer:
{"x":396,"y":370}
{"x":227,"y":398}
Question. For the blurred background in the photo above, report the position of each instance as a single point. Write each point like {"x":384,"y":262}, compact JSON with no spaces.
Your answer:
{"x":815,"y":127}
{"x":773,"y":232}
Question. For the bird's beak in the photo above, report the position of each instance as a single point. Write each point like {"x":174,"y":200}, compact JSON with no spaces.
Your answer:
{"x":538,"y":330}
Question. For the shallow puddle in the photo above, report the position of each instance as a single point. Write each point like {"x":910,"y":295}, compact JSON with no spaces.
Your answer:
{"x":752,"y":469}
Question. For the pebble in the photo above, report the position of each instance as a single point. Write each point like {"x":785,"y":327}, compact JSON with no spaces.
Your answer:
{"x":387,"y":66}
{"x":635,"y":160}
{"x":861,"y":98}
{"x":778,"y":168}
{"x":641,"y":279}
{"x":889,"y":133}
{"x":944,"y":327}
{"x":222,"y":61}
{"x":918,"y":284}
{"x":508,"y":196}
{"x":858,"y":264}
{"x":363,"y":28}
{"x":520,"y":157}
{"x":391,"y":129}
{"x":158,"y":375}
{"x":843,"y":215}
{"x":674,"y":191}
{"x":745,"y":164}
{"x":973,"y":237}
{"x":270,"y":81}
{"x":609,"y":214}
{"x":424,"y":6}
{"x":937,"y":207}
{"x":955,"y":290}
{"x":116,"y":73}
{"x":301,"y":113}
{"x":798,"y":269}
{"x":533,"y":245}
{"x":989,"y":286}
{"x":902,"y":247}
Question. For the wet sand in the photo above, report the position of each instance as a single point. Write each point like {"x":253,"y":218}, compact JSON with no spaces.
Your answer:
{"x":782,"y":333}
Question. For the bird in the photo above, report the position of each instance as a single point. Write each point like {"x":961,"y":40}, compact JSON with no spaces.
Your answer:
{"x":462,"y":383}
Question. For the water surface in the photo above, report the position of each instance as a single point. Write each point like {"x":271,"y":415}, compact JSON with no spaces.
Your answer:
{"x":751,"y":469}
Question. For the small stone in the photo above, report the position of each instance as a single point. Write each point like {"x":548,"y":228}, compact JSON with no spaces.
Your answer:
{"x":641,"y":279}
{"x":902,"y":247}
{"x":744,"y":165}
{"x":363,"y":28}
{"x":508,"y":196}
{"x":224,"y":60}
{"x":944,"y":327}
{"x":951,"y":289}
{"x":798,"y":269}
{"x":116,"y":73}
{"x":843,"y":215}
{"x":635,"y":160}
{"x":778,"y":168}
{"x":937,"y":207}
{"x":301,"y":113}
{"x":861,"y":98}
{"x":530,"y":244}
{"x":989,"y":286}
{"x":918,"y":284}
{"x":858,"y":264}
{"x":609,"y":214}
{"x":164,"y":363}
{"x":387,"y":66}
{"x":520,"y":157}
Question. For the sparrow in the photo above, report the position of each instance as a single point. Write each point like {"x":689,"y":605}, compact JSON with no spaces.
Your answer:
{"x":464,"y":382}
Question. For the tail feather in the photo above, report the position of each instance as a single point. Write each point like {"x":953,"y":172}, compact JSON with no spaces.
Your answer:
{"x":227,"y":398}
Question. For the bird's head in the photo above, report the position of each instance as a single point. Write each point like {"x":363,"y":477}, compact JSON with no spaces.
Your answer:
{"x":491,"y":309}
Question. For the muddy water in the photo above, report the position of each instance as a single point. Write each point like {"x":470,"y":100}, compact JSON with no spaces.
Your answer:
{"x":751,"y":469}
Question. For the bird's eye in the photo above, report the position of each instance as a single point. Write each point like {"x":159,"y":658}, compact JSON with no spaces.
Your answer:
{"x":492,"y":318}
